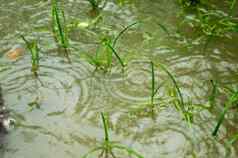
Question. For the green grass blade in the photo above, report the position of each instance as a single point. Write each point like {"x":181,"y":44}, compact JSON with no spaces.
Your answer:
{"x":116,"y":54}
{"x":220,"y":120}
{"x":233,"y":100}
{"x":28,"y":44}
{"x":58,"y":24}
{"x":175,"y":84}
{"x":121,"y":33}
{"x":33,"y":48}
{"x":105,"y":126}
{"x":164,"y":28}
{"x":212,"y":97}
{"x":185,"y":111}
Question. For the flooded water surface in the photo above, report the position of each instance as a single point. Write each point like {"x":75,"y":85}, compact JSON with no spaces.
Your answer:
{"x":57,"y":114}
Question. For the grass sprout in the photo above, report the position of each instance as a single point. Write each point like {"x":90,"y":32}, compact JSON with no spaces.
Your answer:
{"x":107,"y":146}
{"x":34,"y":50}
{"x":179,"y":103}
{"x":103,"y":58}
{"x":231,"y":102}
{"x":154,"y":90}
{"x":59,"y":27}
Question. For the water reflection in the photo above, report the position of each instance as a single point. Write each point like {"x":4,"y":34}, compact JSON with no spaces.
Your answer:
{"x":71,"y":95}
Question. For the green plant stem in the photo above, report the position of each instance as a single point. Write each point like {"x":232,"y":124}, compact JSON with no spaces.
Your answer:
{"x":105,"y":126}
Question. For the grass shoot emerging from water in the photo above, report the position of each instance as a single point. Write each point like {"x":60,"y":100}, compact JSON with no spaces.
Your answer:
{"x":107,"y":145}
{"x":59,"y":27}
{"x":230,"y":103}
{"x":34,"y":50}
{"x":153,"y":89}
{"x":179,"y":102}
{"x":103,"y":58}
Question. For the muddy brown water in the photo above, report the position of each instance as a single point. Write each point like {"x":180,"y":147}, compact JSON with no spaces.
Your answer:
{"x":71,"y":95}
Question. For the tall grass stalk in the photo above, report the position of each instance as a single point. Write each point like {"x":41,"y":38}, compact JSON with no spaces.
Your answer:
{"x":106,"y":149}
{"x":34,"y":50}
{"x":59,"y":26}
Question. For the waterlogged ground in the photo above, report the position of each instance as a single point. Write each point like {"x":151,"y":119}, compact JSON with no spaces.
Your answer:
{"x":65,"y":120}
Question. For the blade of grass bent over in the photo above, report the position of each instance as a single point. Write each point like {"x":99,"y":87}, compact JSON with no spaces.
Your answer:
{"x":121,"y":33}
{"x":116,"y":54}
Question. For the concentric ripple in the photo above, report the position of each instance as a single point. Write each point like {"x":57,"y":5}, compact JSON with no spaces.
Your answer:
{"x":169,"y":136}
{"x":58,"y":83}
{"x":134,"y":85}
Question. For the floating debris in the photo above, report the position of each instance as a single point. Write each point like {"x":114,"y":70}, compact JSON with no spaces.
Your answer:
{"x":15,"y":52}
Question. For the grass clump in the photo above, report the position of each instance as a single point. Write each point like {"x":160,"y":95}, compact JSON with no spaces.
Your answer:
{"x":34,"y":50}
{"x":207,"y":21}
{"x":59,"y":27}
{"x":108,"y":146}
{"x":103,"y":58}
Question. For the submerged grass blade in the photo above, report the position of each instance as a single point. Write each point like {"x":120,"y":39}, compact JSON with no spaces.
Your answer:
{"x":152,"y":83}
{"x":122,"y":32}
{"x":212,"y":97}
{"x":164,"y":28}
